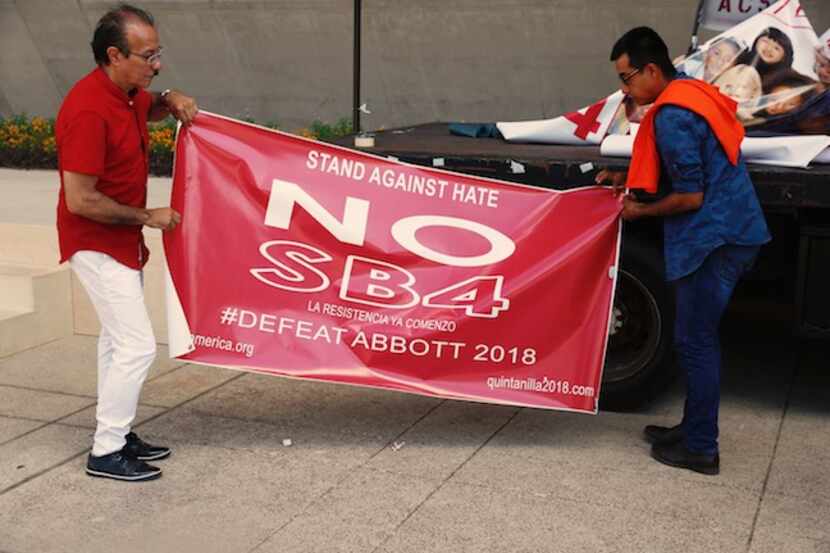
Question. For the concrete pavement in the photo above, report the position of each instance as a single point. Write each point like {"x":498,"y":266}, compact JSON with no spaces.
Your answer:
{"x":382,"y":471}
{"x":377,"y":471}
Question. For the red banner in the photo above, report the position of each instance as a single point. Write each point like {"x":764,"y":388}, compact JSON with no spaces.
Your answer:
{"x":302,"y":259}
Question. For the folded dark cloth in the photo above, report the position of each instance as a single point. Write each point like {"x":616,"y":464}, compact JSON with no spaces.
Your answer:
{"x":476,"y":130}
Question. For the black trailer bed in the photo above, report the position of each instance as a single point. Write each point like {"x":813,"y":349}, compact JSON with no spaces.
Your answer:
{"x":561,"y":167}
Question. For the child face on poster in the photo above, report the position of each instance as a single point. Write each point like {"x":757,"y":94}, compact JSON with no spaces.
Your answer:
{"x":789,"y":100}
{"x":718,"y":58}
{"x":770,"y":51}
{"x":822,"y":68}
{"x":741,"y":83}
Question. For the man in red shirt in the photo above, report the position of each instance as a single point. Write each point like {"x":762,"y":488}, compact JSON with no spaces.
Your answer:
{"x":103,"y":157}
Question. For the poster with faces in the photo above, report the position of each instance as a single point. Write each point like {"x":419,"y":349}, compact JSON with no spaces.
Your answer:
{"x":773,"y":64}
{"x":778,"y":70}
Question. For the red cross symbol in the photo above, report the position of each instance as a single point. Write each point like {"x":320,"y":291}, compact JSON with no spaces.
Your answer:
{"x":586,"y":123}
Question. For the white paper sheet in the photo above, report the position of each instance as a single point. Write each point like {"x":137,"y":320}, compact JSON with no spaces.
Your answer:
{"x":178,"y":331}
{"x":617,"y":145}
{"x":823,"y":157}
{"x":562,"y":130}
{"x":784,"y":151}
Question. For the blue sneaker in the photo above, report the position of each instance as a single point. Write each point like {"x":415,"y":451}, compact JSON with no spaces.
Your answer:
{"x":120,"y":466}
{"x":141,"y":450}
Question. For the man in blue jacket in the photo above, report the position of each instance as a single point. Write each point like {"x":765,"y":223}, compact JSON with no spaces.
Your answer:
{"x":713,"y":229}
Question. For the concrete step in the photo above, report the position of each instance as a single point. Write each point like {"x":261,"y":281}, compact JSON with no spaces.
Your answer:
{"x":16,"y":290}
{"x":6,"y":314}
{"x":35,"y":306}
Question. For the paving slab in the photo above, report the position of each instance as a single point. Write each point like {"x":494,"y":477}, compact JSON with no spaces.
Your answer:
{"x":358,"y":515}
{"x":801,"y":467}
{"x":37,"y":405}
{"x":792,"y":524}
{"x":37,"y":451}
{"x":439,"y":444}
{"x":748,"y":435}
{"x":767,"y":543}
{"x":184,"y":383}
{"x":802,"y":464}
{"x":67,"y":365}
{"x":218,"y":480}
{"x":208,"y":500}
{"x":615,"y":441}
{"x":461,"y":518}
{"x":188,"y":427}
{"x":11,"y":428}
{"x":322,"y":409}
{"x":641,"y":487}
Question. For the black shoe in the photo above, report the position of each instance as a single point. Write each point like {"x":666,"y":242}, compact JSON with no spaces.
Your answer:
{"x":663,"y":435}
{"x":141,"y":450}
{"x":121,"y":466}
{"x":676,"y":455}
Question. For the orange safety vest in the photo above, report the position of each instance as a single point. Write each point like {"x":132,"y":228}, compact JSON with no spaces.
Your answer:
{"x":701,"y":98}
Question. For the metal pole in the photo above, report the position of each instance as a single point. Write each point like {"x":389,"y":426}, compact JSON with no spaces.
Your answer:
{"x":698,"y":20}
{"x":356,"y":68}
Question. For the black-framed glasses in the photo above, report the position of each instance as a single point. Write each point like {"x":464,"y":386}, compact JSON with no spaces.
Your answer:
{"x":149,"y":58}
{"x":627,"y":77}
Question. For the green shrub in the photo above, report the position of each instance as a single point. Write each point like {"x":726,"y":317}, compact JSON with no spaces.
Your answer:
{"x":29,"y":143}
{"x":162,"y":145}
{"x":323,"y":131}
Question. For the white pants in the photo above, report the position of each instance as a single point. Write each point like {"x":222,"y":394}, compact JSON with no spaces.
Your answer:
{"x":126,"y":347}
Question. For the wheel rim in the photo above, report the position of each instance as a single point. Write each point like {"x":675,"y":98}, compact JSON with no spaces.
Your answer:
{"x":635,"y":330}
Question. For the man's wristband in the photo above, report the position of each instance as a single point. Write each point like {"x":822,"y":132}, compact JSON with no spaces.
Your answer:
{"x":164,"y":94}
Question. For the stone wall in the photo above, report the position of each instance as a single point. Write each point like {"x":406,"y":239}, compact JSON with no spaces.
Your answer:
{"x":290,"y":61}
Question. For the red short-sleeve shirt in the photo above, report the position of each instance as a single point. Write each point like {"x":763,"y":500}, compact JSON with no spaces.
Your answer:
{"x":102,"y":131}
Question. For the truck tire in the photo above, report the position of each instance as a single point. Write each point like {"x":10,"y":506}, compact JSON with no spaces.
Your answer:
{"x":639,"y":360}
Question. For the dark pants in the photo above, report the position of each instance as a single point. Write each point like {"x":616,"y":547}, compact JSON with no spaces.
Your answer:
{"x":702,"y":297}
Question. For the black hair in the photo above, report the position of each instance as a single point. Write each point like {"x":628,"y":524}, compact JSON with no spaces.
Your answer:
{"x":643,"y":46}
{"x":786,"y":77}
{"x":110,"y":30}
{"x":792,"y":79}
{"x":751,"y":56}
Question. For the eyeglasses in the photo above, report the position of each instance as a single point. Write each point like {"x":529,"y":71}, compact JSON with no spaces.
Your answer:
{"x":627,"y":77}
{"x":149,"y":58}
